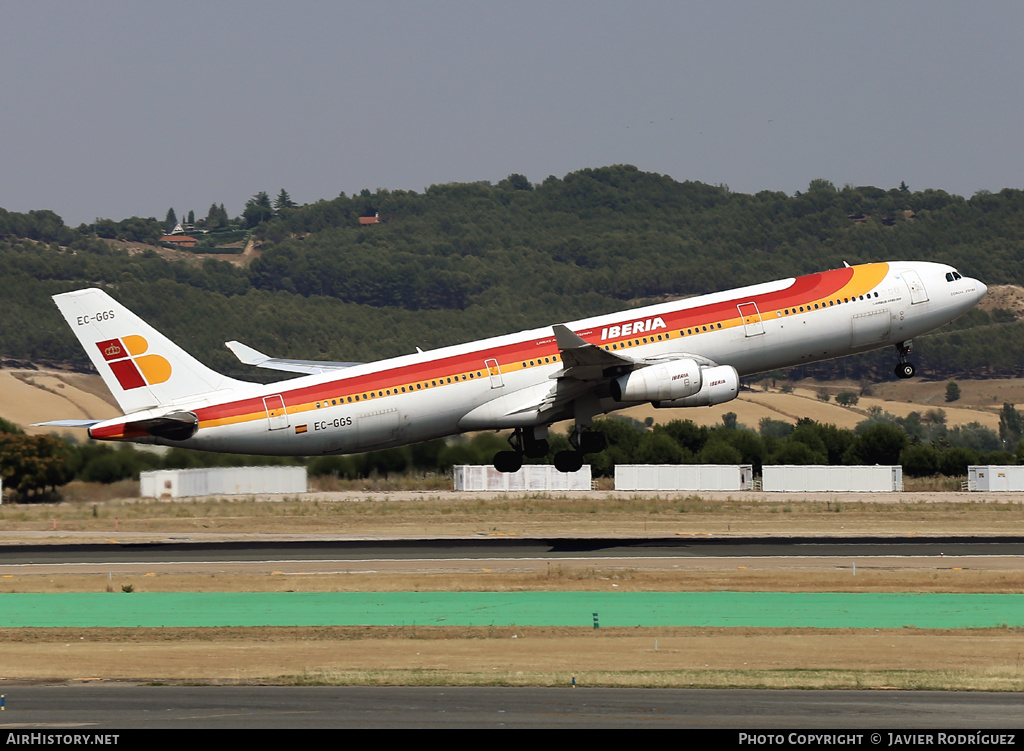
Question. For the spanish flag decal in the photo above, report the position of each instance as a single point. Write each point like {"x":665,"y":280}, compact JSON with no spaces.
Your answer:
{"x":131,"y":365}
{"x":301,"y":429}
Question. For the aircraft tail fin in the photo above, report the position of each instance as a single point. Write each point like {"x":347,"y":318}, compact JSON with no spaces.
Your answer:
{"x":141,"y":367}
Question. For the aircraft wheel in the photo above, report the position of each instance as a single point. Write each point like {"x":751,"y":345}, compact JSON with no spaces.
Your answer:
{"x":568,"y":461}
{"x":592,"y":442}
{"x":905,"y":370}
{"x":508,"y":461}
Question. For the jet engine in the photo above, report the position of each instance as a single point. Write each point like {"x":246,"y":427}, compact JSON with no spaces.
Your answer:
{"x":720,"y":384}
{"x":668,"y":380}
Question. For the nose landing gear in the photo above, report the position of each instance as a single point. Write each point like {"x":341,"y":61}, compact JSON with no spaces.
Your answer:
{"x":904,"y":369}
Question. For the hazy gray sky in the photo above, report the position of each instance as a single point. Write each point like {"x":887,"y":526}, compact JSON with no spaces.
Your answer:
{"x":127,"y":108}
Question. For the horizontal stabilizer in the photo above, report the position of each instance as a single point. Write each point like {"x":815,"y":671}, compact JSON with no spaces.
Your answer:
{"x":66,"y":424}
{"x":249,"y":356}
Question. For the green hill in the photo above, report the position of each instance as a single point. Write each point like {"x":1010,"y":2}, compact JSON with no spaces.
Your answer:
{"x":462,"y":261}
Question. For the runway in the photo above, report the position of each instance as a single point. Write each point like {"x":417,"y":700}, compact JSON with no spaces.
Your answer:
{"x":99,"y":708}
{"x":169,"y":551}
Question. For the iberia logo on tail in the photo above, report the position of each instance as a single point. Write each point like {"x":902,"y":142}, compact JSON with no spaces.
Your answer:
{"x":131,"y":365}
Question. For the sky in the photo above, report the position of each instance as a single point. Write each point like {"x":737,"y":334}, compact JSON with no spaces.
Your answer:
{"x":112,"y":109}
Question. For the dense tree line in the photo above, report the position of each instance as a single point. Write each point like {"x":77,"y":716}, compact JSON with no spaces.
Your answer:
{"x":34,"y":466}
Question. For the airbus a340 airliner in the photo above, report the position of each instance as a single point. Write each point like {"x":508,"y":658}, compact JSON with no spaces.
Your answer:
{"x":687,"y":353}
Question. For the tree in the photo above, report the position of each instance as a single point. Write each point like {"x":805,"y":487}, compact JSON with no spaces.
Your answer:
{"x":171,"y":221}
{"x":952,"y":391}
{"x":515,"y":181}
{"x":880,"y":443}
{"x":1011,"y":425}
{"x":283,"y":201}
{"x":847,"y":398}
{"x":32,"y":463}
{"x":257,"y":210}
{"x":216,"y":217}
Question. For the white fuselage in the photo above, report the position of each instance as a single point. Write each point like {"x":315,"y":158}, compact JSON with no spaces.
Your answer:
{"x":450,"y":390}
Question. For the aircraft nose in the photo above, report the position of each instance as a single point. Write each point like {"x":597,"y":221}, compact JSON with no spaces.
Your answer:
{"x":980,"y":289}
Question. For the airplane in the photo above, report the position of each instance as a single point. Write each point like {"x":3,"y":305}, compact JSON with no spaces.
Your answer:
{"x":686,"y":353}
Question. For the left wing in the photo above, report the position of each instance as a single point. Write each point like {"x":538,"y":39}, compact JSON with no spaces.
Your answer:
{"x":254,"y":357}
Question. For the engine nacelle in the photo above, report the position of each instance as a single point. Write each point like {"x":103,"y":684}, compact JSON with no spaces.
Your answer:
{"x":668,"y":380}
{"x":720,"y":384}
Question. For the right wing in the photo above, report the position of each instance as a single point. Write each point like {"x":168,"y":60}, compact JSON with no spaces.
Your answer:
{"x":250,"y":356}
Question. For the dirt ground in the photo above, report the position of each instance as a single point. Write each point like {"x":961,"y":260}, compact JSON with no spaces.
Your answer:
{"x":802,"y":658}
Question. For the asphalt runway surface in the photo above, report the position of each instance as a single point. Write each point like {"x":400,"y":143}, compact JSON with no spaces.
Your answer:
{"x":400,"y":556}
{"x":92,"y":708}
{"x":513,"y":548}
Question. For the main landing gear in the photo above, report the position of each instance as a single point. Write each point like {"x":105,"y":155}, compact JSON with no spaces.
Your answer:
{"x":904,"y":369}
{"x":525,"y":442}
{"x":584,"y":442}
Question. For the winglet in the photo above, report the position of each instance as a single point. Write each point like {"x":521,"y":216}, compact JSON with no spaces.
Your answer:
{"x":246,"y":354}
{"x":583,"y":360}
{"x":567,"y":338}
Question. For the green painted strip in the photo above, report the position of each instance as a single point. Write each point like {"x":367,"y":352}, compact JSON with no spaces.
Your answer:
{"x":755,"y":609}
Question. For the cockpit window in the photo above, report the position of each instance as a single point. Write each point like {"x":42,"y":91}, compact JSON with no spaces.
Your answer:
{"x":953,"y":276}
